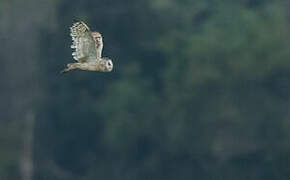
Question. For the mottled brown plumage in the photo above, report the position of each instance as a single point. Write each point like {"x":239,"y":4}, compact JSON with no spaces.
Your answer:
{"x":88,"y":50}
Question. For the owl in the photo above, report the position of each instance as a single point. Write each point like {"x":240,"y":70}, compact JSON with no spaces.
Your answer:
{"x":88,"y":50}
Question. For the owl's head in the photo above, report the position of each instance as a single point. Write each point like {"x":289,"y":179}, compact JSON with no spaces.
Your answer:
{"x":107,"y":64}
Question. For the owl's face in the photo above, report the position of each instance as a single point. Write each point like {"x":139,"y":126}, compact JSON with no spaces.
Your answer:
{"x":107,"y":65}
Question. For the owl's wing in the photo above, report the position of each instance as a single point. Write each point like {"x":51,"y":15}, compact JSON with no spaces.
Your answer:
{"x":99,"y":48}
{"x":83,"y":43}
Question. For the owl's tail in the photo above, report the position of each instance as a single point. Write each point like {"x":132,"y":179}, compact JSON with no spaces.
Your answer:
{"x":69,"y":68}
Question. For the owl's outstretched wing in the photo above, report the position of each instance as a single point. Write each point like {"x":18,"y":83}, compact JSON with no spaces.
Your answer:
{"x":98,"y":43}
{"x":83,"y":43}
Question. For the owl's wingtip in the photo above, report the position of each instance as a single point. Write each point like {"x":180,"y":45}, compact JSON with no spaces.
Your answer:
{"x":76,"y":20}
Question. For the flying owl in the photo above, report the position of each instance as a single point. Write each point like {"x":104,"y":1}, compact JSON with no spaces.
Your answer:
{"x":88,"y":50}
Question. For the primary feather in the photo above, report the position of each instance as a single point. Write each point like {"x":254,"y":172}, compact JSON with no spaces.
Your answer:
{"x":83,"y":43}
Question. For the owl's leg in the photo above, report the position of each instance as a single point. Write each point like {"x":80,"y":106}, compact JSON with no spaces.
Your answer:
{"x":70,"y":67}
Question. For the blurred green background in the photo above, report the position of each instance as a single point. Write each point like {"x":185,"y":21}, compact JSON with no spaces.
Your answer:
{"x":200,"y":90}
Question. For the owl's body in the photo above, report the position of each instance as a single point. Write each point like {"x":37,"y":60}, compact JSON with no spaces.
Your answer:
{"x":100,"y":66}
{"x":88,"y":50}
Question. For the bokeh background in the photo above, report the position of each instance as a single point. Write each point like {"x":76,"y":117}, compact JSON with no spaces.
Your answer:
{"x":200,"y":90}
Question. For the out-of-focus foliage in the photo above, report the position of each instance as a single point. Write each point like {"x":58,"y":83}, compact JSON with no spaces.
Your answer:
{"x":199,"y":91}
